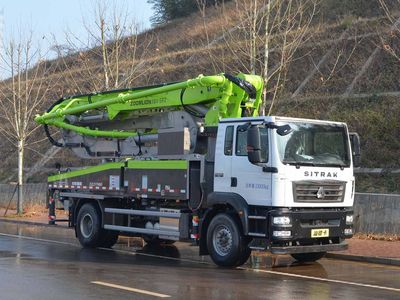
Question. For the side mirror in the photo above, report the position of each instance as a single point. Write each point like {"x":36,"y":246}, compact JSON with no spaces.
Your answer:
{"x":254,"y":144}
{"x":355,"y":148}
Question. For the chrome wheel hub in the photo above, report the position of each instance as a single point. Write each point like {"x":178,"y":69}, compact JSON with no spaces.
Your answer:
{"x":86,"y":226}
{"x":222,"y":240}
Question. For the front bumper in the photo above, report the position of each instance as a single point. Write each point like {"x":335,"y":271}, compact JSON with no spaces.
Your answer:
{"x":303,"y":223}
{"x":308,"y":249}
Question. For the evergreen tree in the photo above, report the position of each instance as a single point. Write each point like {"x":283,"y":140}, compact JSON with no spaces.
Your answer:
{"x":168,"y":10}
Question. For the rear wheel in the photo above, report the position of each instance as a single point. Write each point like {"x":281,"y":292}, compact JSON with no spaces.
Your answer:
{"x":225,"y":241}
{"x":88,"y":227}
{"x":308,"y":257}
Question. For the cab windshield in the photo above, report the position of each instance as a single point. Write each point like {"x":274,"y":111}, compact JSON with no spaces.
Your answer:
{"x":315,"y":145}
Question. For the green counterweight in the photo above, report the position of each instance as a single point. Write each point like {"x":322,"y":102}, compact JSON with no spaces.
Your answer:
{"x":223,"y":96}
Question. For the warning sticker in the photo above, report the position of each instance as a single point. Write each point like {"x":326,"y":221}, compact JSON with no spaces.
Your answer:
{"x":114,"y":182}
{"x":144,"y":182}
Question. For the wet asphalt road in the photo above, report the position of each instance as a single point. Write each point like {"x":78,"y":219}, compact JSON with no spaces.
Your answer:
{"x":47,"y":263}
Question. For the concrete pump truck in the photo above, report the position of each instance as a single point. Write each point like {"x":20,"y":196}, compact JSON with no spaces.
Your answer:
{"x":193,"y":161}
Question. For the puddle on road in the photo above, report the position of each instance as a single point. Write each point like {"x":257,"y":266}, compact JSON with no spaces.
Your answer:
{"x":261,"y":260}
{"x":285,"y":264}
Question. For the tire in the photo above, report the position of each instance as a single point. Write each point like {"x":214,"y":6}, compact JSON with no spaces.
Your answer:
{"x":244,"y":256}
{"x":225,"y":241}
{"x":109,"y":239}
{"x":88,"y":227}
{"x":155,"y":241}
{"x":308,"y":257}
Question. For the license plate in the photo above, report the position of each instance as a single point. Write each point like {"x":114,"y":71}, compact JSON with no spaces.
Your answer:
{"x":317,"y":233}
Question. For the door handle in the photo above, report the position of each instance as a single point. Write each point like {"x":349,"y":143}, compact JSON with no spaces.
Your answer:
{"x":233,"y":181}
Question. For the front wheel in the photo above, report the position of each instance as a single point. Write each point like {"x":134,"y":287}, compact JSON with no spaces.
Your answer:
{"x":244,"y":256}
{"x":308,"y":257}
{"x":225,"y":241}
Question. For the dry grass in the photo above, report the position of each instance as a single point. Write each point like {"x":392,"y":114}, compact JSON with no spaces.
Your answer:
{"x":30,"y":211}
{"x":33,"y":210}
{"x":378,"y":237}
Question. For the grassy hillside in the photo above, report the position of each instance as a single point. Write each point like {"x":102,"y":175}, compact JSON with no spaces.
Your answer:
{"x":350,"y":31}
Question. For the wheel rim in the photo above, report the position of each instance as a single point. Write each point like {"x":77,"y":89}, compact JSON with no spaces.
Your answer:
{"x":86,"y":226}
{"x":222,"y":240}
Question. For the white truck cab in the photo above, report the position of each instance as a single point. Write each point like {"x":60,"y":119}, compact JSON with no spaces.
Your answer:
{"x":295,"y":177}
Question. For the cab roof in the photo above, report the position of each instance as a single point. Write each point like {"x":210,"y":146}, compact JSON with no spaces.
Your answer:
{"x":278,"y":119}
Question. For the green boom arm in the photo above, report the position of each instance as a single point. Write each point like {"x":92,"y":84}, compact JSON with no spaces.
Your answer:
{"x":224,"y":96}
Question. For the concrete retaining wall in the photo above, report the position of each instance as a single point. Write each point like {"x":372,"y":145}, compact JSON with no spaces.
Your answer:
{"x":373,"y":213}
{"x":377,"y":213}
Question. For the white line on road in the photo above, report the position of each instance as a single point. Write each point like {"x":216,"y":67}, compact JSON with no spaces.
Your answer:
{"x":129,"y":289}
{"x":322,"y":279}
{"x":38,"y":239}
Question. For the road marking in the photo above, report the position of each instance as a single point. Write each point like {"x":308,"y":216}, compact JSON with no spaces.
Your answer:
{"x":129,"y":289}
{"x":37,"y":239}
{"x":322,"y":279}
{"x":202,"y":262}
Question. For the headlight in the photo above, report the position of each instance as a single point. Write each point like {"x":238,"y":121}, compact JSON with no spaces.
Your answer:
{"x":281,"y":221}
{"x":281,"y":233}
{"x":349,"y":219}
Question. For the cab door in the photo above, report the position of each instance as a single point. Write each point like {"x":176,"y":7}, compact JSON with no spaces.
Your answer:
{"x":251,"y":181}
{"x":223,"y":158}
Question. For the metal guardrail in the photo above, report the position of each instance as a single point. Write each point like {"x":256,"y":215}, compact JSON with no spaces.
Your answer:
{"x":376,"y":171}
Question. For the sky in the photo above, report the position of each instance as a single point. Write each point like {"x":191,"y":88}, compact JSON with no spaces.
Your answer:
{"x":54,"y":17}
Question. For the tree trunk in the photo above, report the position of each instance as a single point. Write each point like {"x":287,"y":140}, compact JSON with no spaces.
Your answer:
{"x":104,"y":52}
{"x":266,"y":58}
{"x":253,"y":39}
{"x":20,"y":198}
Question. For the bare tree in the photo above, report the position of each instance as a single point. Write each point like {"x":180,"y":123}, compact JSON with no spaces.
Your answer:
{"x":113,"y":54}
{"x":270,"y":33}
{"x":391,"y":41}
{"x":202,"y":7}
{"x":21,"y":97}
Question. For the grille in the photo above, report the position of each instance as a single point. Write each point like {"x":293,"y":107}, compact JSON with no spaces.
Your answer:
{"x":319,"y":191}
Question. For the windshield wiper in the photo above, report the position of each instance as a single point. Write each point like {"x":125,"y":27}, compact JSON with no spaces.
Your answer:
{"x":341,"y":166}
{"x":299,"y":163}
{"x":304,"y":163}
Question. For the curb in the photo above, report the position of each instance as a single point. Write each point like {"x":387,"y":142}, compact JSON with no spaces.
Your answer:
{"x":367,"y":259}
{"x":31,"y":223}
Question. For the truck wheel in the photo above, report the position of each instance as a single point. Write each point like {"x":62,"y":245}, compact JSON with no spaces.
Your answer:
{"x":225,"y":241}
{"x":244,"y":256}
{"x":109,"y":239}
{"x":88,"y":227}
{"x":308,"y":257}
